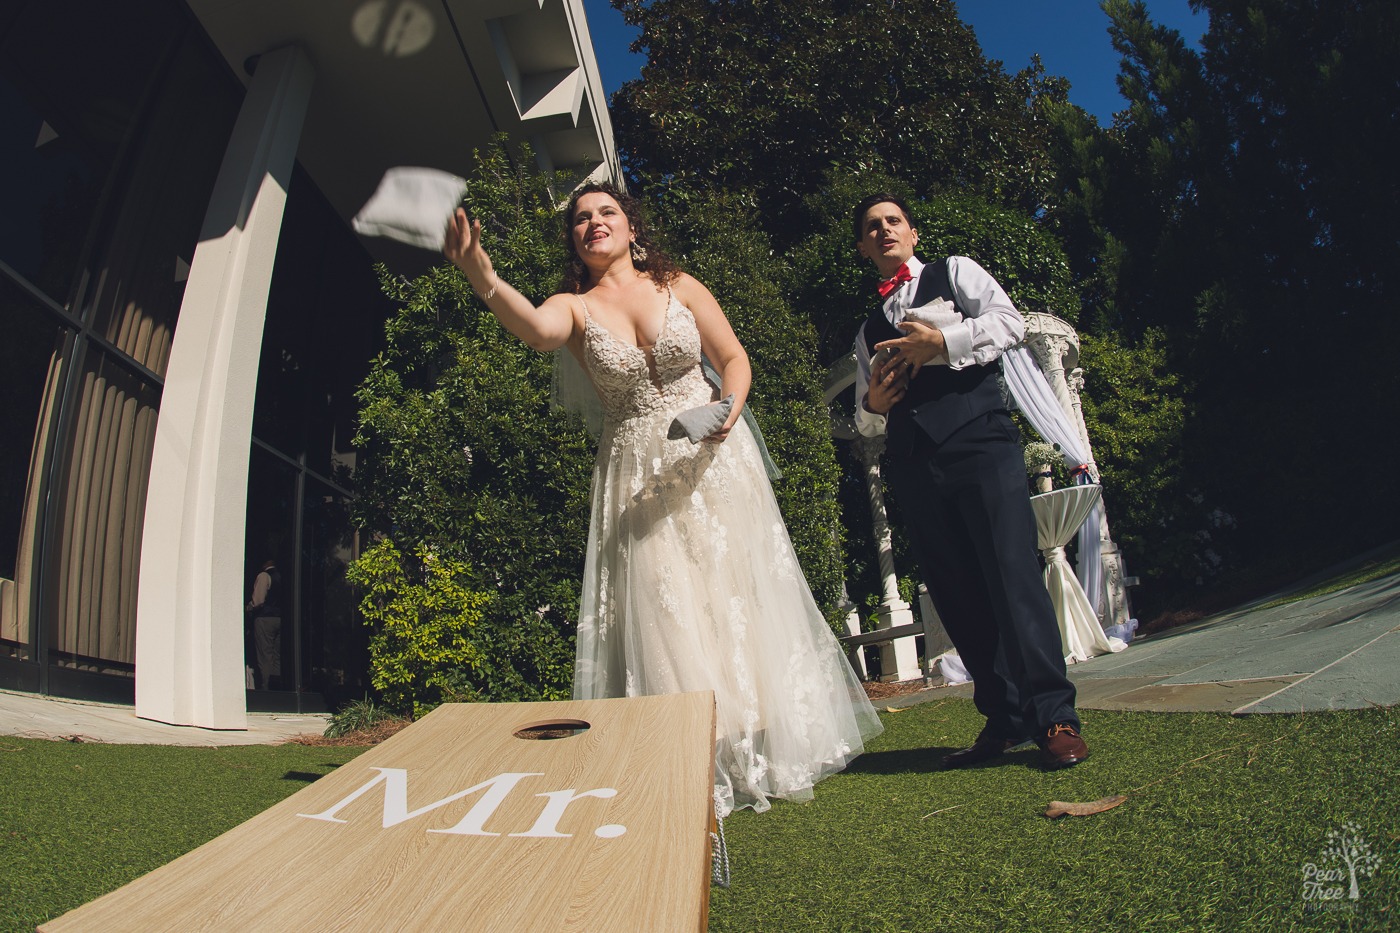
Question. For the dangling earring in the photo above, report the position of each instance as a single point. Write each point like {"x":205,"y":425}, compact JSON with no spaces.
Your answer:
{"x":639,"y":253}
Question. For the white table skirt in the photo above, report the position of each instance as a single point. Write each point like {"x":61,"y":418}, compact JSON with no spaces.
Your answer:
{"x":1058,"y":515}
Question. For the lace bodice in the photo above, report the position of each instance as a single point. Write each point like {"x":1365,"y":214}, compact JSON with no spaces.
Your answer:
{"x":633,"y":382}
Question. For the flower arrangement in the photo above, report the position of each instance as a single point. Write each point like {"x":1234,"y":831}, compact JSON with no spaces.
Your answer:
{"x":1040,"y":455}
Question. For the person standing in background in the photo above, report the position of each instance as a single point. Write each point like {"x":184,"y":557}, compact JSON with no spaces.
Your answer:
{"x":265,"y":607}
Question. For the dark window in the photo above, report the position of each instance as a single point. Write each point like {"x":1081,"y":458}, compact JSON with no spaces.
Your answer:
{"x":113,"y":122}
{"x":335,"y":656}
{"x":73,"y":78}
{"x":325,"y":319}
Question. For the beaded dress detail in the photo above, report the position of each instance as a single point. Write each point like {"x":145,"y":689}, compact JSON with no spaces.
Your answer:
{"x":691,"y":583}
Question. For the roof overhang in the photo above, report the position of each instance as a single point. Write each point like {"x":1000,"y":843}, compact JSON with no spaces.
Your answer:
{"x":427,"y":82}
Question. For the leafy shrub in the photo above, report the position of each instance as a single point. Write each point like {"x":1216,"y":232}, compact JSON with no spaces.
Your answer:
{"x":463,"y":456}
{"x":424,"y":620}
{"x":359,"y":716}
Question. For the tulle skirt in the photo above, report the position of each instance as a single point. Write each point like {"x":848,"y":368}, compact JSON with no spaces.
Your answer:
{"x":691,"y":583}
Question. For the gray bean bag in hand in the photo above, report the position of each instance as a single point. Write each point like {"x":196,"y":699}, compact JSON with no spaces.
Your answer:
{"x":700,"y":422}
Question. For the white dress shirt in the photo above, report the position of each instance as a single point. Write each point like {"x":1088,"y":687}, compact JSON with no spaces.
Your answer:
{"x":985,"y":325}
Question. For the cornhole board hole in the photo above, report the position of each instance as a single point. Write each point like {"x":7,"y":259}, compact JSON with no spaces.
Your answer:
{"x":463,"y":821}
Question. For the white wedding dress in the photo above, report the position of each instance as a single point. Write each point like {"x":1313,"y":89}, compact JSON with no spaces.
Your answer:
{"x":691,"y":582}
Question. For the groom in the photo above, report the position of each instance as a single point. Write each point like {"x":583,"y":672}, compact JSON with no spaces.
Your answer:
{"x":957,"y":468}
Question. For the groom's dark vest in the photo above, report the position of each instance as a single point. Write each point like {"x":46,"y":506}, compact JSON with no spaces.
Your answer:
{"x":940,"y":399}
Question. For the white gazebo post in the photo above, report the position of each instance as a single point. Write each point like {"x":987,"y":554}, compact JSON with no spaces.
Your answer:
{"x":1055,"y":345}
{"x":1117,"y":607}
{"x":899,"y":660}
{"x":853,"y":628}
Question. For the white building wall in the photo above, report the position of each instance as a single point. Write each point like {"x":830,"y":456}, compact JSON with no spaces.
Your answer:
{"x":189,"y":638}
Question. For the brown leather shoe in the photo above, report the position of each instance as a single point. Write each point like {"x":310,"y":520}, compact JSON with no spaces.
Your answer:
{"x":985,"y":748}
{"x":1062,"y":747}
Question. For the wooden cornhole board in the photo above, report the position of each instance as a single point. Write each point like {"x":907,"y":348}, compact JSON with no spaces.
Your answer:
{"x":457,"y":824}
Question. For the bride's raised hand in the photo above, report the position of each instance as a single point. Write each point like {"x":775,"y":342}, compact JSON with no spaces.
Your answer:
{"x":462,"y":247}
{"x":547,"y":327}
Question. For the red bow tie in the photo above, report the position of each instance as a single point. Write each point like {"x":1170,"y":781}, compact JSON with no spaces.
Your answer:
{"x":899,"y":279}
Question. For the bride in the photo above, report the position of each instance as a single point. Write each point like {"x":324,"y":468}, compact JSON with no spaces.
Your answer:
{"x":690,"y":580}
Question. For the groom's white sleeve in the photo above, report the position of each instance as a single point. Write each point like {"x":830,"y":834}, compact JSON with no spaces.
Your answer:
{"x":990,"y":323}
{"x":867,"y":423}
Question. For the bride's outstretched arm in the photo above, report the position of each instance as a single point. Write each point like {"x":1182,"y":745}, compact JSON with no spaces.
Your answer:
{"x":545,"y":328}
{"x":720,"y":345}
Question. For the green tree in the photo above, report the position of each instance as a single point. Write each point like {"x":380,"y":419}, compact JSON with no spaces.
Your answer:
{"x":1133,"y":203}
{"x":1309,"y":91}
{"x":804,"y":108}
{"x":1136,"y":411}
{"x":1242,"y":203}
{"x":766,"y":95}
{"x":425,"y":647}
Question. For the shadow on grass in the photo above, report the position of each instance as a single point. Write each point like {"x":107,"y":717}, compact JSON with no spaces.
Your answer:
{"x":900,"y":761}
{"x":306,"y":777}
{"x":930,"y":761}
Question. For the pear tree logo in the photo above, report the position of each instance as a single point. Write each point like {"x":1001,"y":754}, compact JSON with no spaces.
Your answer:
{"x":1346,"y":859}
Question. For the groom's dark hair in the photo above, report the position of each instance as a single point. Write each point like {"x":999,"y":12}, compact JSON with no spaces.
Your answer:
{"x":866,"y":204}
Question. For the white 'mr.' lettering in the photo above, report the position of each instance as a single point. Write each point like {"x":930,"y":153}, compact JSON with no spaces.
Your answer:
{"x":395,"y":781}
{"x":548,"y":823}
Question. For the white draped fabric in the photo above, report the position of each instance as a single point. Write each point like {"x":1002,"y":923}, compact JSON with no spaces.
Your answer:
{"x":1057,"y":515}
{"x":1037,"y":402}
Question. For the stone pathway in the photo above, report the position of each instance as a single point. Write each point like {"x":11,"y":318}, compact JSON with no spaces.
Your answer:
{"x":1336,"y":651}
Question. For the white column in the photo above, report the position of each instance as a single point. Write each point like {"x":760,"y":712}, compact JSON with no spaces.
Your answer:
{"x":853,"y":628}
{"x":899,"y":659}
{"x":1075,"y":385}
{"x":1115,"y":607}
{"x":189,"y":617}
{"x":1051,"y":352}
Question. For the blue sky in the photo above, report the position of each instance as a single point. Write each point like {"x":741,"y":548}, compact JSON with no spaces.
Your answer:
{"x":1070,"y":35}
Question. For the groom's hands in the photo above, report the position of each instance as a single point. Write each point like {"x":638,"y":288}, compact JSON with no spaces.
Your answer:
{"x":890,"y":372}
{"x":919,"y":346}
{"x":889,"y":380}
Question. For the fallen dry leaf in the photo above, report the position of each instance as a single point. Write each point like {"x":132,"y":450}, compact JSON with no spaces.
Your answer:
{"x":1059,"y":808}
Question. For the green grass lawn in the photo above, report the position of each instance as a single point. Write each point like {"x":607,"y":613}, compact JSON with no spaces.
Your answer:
{"x":79,"y":820}
{"x":1221,"y":817}
{"x":1383,"y":566}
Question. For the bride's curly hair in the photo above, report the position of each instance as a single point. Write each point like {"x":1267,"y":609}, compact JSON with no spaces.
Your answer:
{"x":654,"y":263}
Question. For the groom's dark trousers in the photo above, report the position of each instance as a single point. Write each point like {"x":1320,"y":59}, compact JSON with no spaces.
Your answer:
{"x":958,"y":473}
